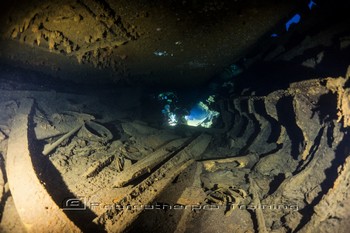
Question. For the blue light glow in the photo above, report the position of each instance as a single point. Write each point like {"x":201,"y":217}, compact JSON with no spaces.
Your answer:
{"x":294,"y":20}
{"x":311,"y":4}
{"x":197,"y":112}
{"x":201,"y":115}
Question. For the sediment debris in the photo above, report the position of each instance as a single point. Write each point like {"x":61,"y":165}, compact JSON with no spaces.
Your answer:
{"x":49,"y":26}
{"x":118,"y":219}
{"x":299,"y":175}
{"x":148,"y":162}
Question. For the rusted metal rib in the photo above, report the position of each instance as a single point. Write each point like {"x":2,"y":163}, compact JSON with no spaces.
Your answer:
{"x":37,"y":210}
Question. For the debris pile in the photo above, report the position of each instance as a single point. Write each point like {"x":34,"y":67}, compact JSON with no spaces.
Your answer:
{"x":278,"y":164}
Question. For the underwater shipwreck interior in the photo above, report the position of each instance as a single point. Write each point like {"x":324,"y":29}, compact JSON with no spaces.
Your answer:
{"x":174,"y":116}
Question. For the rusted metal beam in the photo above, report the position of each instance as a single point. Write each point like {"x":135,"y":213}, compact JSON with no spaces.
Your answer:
{"x":149,"y":162}
{"x":118,"y":218}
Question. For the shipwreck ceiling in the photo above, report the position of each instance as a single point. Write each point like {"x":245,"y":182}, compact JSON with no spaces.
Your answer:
{"x":187,"y":42}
